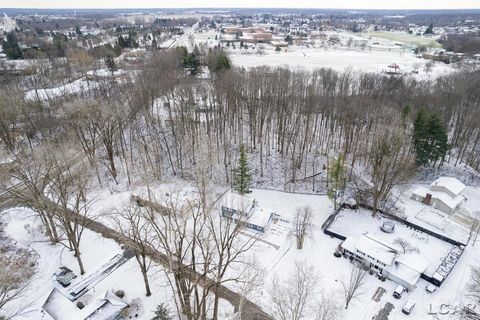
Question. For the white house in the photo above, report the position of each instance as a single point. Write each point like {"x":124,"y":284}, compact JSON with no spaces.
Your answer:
{"x":106,"y":306}
{"x":386,"y":259}
{"x":444,"y":194}
{"x":245,"y":210}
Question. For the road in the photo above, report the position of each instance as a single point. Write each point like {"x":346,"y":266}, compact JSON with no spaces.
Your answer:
{"x":248,"y":309}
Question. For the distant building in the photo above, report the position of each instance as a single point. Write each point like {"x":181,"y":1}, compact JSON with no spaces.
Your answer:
{"x":386,"y":259}
{"x":246,"y":211}
{"x":444,"y":194}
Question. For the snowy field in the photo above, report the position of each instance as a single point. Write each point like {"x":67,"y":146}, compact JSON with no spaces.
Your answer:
{"x":340,"y":60}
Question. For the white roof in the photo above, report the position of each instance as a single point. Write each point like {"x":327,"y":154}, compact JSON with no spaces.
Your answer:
{"x":373,"y":247}
{"x":442,"y":196}
{"x":408,"y":267}
{"x":255,"y":214}
{"x":452,"y":184}
{"x":260,"y":216}
{"x":100,"y":308}
{"x":236,"y":201}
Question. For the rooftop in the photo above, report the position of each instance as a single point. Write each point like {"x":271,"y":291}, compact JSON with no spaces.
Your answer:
{"x":450,"y":201}
{"x":373,"y":247}
{"x":453,"y":184}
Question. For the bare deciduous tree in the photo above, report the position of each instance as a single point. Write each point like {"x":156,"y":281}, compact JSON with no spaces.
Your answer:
{"x":327,"y":307}
{"x":27,"y":183}
{"x":302,"y":225}
{"x":473,"y":286}
{"x":290,"y":300}
{"x":68,"y":189}
{"x":353,"y":283}
{"x":132,"y":223}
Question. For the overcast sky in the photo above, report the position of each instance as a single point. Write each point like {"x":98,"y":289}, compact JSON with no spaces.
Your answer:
{"x":340,"y":4}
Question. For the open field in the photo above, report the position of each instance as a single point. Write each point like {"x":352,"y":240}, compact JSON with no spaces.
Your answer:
{"x":340,"y":60}
{"x":406,"y":38}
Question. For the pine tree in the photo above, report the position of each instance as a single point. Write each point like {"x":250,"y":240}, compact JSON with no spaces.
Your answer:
{"x":11,"y":48}
{"x":430,"y":138}
{"x":242,"y":179}
{"x":162,"y":313}
{"x":223,"y":62}
{"x":110,"y":63}
{"x":191,"y":63}
{"x":429,"y":30}
{"x":438,"y":138}
{"x":419,"y":138}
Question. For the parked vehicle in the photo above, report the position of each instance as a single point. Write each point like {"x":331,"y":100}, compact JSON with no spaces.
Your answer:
{"x":397,"y":293}
{"x":431,"y":288}
{"x":408,"y":307}
{"x":64,"y":276}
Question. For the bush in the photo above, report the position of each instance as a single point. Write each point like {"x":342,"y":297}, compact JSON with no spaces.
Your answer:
{"x":162,"y":313}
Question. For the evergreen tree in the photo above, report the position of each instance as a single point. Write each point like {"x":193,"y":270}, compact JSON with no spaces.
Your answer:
{"x":78,"y":31}
{"x":429,"y":30}
{"x":162,"y":313}
{"x":191,"y":63}
{"x":430,"y":139}
{"x":11,"y":48}
{"x":438,"y":138}
{"x":242,"y":179}
{"x":336,"y":176}
{"x":110,"y":63}
{"x":222,"y":62}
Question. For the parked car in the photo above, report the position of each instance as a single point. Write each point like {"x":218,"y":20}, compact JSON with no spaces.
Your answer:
{"x":408,"y":307}
{"x":397,"y":293}
{"x":388,"y":226}
{"x":431,"y":288}
{"x":64,"y":276}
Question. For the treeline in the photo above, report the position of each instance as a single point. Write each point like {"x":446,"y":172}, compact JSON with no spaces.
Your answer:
{"x":463,"y":43}
{"x":161,"y":121}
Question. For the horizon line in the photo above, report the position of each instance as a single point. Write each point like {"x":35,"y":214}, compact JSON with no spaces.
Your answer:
{"x":235,"y":8}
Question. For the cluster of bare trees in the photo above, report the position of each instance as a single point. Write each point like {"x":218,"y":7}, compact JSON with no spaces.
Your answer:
{"x":52,"y":183}
{"x":300,"y":296}
{"x":202,"y":252}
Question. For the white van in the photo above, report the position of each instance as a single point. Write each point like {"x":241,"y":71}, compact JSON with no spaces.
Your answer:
{"x":397,"y":293}
{"x":408,"y":307}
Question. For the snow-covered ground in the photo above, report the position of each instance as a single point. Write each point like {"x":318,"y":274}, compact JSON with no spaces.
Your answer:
{"x":75,"y":87}
{"x":340,"y":60}
{"x":23,"y":227}
{"x":276,"y":253}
